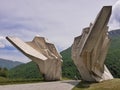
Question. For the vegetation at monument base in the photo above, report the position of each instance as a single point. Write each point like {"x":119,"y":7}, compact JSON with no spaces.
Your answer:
{"x":69,"y":70}
{"x":105,"y":85}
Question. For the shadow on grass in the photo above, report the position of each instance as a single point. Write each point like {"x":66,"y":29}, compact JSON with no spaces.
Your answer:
{"x":72,"y":82}
{"x":84,"y":84}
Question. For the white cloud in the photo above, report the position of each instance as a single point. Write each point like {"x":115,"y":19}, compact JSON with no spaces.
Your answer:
{"x":2,"y":45}
{"x":115,"y":17}
{"x":1,"y":42}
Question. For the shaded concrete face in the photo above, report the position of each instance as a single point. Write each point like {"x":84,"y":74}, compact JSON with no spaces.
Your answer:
{"x":43,"y":53}
{"x":89,"y":49}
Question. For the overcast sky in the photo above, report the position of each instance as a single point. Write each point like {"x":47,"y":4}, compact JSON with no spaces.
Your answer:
{"x":57,"y":20}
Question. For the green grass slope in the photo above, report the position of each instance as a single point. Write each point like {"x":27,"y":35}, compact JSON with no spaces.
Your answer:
{"x":105,"y":85}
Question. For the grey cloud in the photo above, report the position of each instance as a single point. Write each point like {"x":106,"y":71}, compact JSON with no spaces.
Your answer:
{"x":2,"y":45}
{"x":115,"y":17}
{"x":58,"y":20}
{"x":14,"y":55}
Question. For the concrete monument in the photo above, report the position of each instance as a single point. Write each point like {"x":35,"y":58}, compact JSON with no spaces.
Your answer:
{"x":89,"y":50}
{"x":43,"y":53}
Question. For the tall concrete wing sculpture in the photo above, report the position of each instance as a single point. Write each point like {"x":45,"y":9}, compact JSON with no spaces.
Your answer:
{"x":43,"y":53}
{"x":89,"y":50}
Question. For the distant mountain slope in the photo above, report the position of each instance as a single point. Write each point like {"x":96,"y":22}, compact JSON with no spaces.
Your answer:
{"x":69,"y":70}
{"x":113,"y":55}
{"x":8,"y":63}
{"x":114,"y":33}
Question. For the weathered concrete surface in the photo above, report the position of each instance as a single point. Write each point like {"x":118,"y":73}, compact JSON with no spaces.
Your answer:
{"x":89,"y":50}
{"x":59,"y":85}
{"x":43,"y":53}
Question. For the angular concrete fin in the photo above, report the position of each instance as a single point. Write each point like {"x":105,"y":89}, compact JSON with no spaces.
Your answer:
{"x":96,"y":29}
{"x":90,"y":49}
{"x":43,"y":53}
{"x":24,"y":48}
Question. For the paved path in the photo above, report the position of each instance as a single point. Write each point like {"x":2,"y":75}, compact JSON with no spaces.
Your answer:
{"x":58,"y":85}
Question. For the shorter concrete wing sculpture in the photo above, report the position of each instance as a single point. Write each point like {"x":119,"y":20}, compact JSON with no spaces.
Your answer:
{"x":43,"y":53}
{"x":89,"y":50}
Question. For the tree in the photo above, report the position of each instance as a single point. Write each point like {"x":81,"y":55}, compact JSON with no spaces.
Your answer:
{"x":3,"y":72}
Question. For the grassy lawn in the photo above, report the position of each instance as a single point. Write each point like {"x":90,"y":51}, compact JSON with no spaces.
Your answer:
{"x":6,"y":81}
{"x":105,"y":85}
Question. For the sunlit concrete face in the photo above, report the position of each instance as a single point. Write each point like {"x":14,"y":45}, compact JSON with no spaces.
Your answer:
{"x":89,"y":49}
{"x":43,"y":53}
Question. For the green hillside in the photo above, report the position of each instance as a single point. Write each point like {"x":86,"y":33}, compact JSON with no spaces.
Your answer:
{"x":25,"y":71}
{"x":69,"y":70}
{"x":113,"y":57}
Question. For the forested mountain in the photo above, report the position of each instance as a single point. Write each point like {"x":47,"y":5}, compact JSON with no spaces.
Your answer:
{"x":8,"y":63}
